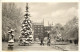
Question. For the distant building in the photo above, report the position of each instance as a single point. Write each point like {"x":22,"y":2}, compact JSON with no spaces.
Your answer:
{"x":38,"y":29}
{"x":46,"y":28}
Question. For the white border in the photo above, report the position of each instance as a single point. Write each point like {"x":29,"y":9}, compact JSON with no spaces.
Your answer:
{"x":40,"y":0}
{"x":0,"y":26}
{"x":79,"y":23}
{"x":34,"y":1}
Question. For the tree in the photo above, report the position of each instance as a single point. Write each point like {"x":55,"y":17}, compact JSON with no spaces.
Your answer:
{"x":71,"y":29}
{"x":57,"y":30}
{"x":10,"y":19}
{"x":26,"y":31}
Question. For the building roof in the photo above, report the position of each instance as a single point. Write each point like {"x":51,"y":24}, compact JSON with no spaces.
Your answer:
{"x":46,"y":26}
{"x":38,"y":24}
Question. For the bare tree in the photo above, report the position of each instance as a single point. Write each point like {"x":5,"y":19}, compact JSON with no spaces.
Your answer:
{"x":11,"y":15}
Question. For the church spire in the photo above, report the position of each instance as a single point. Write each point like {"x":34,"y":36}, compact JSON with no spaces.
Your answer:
{"x":52,"y":23}
{"x":43,"y":21}
{"x":48,"y":23}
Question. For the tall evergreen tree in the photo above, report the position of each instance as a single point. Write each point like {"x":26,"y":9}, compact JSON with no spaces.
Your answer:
{"x":26,"y":31}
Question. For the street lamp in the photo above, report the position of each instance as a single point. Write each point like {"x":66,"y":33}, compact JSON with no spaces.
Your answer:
{"x":48,"y":38}
{"x":48,"y":31}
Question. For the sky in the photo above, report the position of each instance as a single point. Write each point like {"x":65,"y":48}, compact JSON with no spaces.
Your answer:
{"x":52,"y":12}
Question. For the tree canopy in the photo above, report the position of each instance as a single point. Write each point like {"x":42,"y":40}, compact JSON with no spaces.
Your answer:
{"x":11,"y":16}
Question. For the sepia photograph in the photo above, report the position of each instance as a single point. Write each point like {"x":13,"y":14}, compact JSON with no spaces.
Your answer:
{"x":40,"y":26}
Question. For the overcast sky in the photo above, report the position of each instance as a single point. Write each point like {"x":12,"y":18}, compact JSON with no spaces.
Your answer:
{"x":52,"y":12}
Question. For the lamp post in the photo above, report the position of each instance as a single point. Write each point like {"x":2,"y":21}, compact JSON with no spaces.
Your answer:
{"x":48,"y":43}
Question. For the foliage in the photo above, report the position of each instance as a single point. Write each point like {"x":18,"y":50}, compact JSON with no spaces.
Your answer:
{"x":68,"y":32}
{"x":71,"y":29}
{"x":11,"y":15}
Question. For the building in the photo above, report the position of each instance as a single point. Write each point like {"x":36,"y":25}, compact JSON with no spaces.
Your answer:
{"x":38,"y":30}
{"x":46,"y":29}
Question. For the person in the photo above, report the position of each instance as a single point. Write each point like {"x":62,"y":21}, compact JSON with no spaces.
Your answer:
{"x":42,"y":41}
{"x":48,"y":43}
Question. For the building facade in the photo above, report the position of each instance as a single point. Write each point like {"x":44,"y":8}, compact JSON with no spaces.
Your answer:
{"x":38,"y":30}
{"x":46,"y":29}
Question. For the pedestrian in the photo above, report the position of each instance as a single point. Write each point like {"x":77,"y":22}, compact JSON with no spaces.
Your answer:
{"x":41,"y":41}
{"x":48,"y":43}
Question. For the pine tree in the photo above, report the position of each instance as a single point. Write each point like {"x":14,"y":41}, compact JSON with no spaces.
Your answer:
{"x":26,"y":31}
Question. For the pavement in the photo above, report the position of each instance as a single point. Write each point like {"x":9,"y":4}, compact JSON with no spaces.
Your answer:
{"x":37,"y":47}
{"x":33,"y":47}
{"x":68,"y":47}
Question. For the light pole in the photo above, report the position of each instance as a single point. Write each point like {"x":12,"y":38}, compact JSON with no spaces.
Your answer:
{"x":48,"y":43}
